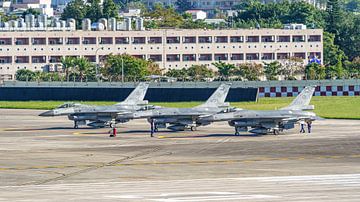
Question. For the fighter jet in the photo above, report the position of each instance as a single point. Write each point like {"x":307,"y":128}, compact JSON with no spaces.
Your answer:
{"x":102,"y":116}
{"x":185,"y":118}
{"x":272,"y":121}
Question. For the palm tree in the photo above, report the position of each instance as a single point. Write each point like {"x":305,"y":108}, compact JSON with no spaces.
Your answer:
{"x":83,"y":66}
{"x":67,"y":64}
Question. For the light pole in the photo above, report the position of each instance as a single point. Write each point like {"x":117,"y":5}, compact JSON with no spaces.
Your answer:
{"x":97,"y":63}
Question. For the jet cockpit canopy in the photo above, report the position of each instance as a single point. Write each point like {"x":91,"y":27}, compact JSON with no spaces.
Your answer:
{"x":66,"y":105}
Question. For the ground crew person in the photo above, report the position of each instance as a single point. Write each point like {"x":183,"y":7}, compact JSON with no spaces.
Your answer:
{"x":302,"y":128}
{"x":309,"y":126}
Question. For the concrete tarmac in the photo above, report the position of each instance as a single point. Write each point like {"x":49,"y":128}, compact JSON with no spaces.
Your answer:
{"x":45,"y":159}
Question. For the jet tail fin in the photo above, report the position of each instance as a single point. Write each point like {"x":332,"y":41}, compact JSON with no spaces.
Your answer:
{"x":136,"y":97}
{"x":217,"y":99}
{"x":302,"y":101}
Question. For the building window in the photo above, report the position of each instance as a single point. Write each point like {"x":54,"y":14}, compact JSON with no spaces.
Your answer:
{"x":252,"y":56}
{"x":155,"y":40}
{"x":189,"y":57}
{"x":5,"y":59}
{"x":298,"y":38}
{"x":73,"y":40}
{"x":189,"y":39}
{"x":172,"y":39}
{"x":106,"y":40}
{"x":221,"y":56}
{"x":269,"y":38}
{"x":205,"y":57}
{"x":22,"y":41}
{"x":38,"y":41}
{"x":314,"y":38}
{"x":89,"y":40}
{"x":172,"y":57}
{"x":139,"y":40}
{"x":282,"y":56}
{"x":55,"y":41}
{"x":5,"y":41}
{"x":283,"y":38}
{"x":221,"y":39}
{"x":38,"y":59}
{"x":55,"y":59}
{"x":21,"y":59}
{"x":252,"y":39}
{"x":268,"y":56}
{"x":236,"y":39}
{"x":155,"y":58}
{"x":205,"y":39}
{"x":300,"y":55}
{"x":237,"y":56}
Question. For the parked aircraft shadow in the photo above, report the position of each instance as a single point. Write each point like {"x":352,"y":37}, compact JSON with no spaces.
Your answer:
{"x":50,"y":128}
{"x":146,"y":131}
{"x":209,"y":135}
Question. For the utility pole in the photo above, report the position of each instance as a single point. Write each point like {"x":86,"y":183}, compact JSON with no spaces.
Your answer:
{"x":122,"y":70}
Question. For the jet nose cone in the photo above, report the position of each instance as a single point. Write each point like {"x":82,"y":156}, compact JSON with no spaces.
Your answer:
{"x":47,"y":113}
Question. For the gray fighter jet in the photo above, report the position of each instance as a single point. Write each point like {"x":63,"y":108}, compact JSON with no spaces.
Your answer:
{"x":185,"y":118}
{"x":272,"y":121}
{"x":102,"y":116}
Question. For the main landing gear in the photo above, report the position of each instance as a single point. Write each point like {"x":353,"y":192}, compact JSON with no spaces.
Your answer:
{"x":237,"y":133}
{"x":193,"y":128}
{"x":76,"y":125}
{"x":113,"y":130}
{"x":153,"y":128}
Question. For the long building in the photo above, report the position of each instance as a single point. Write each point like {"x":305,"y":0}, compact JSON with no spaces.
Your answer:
{"x":170,"y":48}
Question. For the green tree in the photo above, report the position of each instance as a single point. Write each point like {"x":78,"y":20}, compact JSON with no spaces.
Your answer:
{"x":84,"y":68}
{"x":110,"y":9}
{"x":134,"y":68}
{"x":272,"y":70}
{"x":179,"y":74}
{"x":348,"y":37}
{"x":225,"y":70}
{"x":292,"y":67}
{"x":183,"y":5}
{"x":68,"y":65}
{"x":249,"y":71}
{"x":94,"y":10}
{"x":353,"y":5}
{"x":189,"y":23}
{"x":333,"y":10}
{"x":353,"y":68}
{"x":30,"y":11}
{"x":314,"y":71}
{"x":200,"y":72}
{"x":332,"y":54}
{"x":164,"y":17}
{"x":24,"y":75}
{"x":75,"y":9}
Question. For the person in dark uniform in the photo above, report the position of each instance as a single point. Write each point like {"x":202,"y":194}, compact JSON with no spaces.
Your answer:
{"x":309,"y":126}
{"x":302,"y":130}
